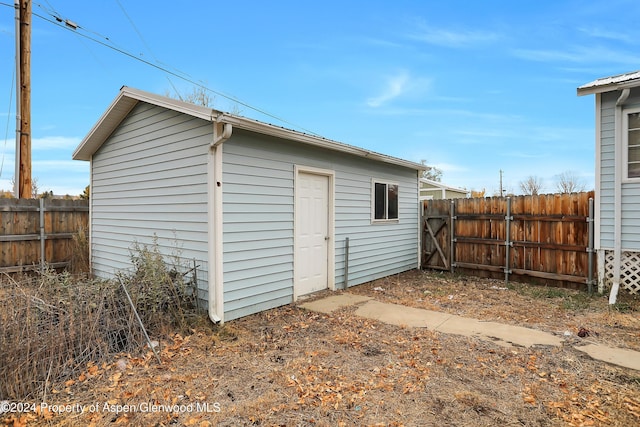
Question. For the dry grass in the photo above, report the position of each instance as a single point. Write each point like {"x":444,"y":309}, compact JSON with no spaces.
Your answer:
{"x":290,"y":367}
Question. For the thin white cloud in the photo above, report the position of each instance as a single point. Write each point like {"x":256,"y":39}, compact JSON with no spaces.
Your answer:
{"x":381,"y":43}
{"x":394,"y":87}
{"x":606,"y":34}
{"x":68,"y":166}
{"x":448,"y":167}
{"x":422,"y":112}
{"x":578,"y":55}
{"x":453,"y":38}
{"x":54,"y":143}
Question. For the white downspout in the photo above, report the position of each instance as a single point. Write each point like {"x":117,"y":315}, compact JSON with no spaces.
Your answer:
{"x":215,"y":300}
{"x":617,"y":198}
{"x":420,"y":204}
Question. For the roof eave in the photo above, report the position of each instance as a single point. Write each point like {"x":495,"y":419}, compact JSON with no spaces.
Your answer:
{"x":438,"y":186}
{"x":115,"y":113}
{"x":120,"y":108}
{"x":279,"y":132}
{"x":593,"y":89}
{"x":129,"y":97}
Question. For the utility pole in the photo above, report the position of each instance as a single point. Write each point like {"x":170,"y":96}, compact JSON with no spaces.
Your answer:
{"x":23,"y":100}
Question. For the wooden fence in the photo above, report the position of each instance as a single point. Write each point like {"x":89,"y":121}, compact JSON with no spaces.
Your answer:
{"x":546,"y":238}
{"x":36,"y":232}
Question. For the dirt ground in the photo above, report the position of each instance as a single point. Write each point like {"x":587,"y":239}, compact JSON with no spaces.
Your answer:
{"x":292,"y":367}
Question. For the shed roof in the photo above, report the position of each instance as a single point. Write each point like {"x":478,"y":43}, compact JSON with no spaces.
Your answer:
{"x":129,"y":97}
{"x":608,"y":84}
{"x":438,"y":185}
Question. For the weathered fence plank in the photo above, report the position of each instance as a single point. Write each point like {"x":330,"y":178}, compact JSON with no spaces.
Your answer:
{"x":39,"y":231}
{"x":548,"y":238}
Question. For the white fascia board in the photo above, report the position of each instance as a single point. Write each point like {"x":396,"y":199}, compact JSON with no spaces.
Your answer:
{"x":121,"y":106}
{"x":107,"y":123}
{"x":595,"y":87}
{"x":198,"y":111}
{"x":439,"y":185}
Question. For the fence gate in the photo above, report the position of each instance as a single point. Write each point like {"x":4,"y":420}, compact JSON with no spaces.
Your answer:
{"x":541,"y":239}
{"x":436,"y":223}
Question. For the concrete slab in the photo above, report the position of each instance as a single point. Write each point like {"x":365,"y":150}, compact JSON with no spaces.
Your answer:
{"x":334,"y":302}
{"x":505,"y":335}
{"x":498,"y":333}
{"x":401,"y":315}
{"x":617,"y":356}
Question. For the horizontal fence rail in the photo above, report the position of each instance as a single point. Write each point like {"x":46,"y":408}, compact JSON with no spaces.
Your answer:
{"x":39,"y":232}
{"x":532,"y":238}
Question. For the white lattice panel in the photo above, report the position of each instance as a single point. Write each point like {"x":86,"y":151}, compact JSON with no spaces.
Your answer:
{"x":629,"y":270}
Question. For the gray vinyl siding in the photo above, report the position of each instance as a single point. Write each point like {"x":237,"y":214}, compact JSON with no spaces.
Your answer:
{"x":630,"y":191}
{"x":149,"y":186}
{"x":149,"y":182}
{"x":631,"y":198}
{"x":607,"y":171}
{"x":258,"y":206}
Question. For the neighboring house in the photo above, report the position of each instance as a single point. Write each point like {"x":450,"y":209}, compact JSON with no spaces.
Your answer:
{"x":264,"y":211}
{"x":617,"y":201}
{"x":433,"y":190}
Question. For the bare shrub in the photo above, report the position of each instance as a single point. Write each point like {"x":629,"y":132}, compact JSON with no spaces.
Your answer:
{"x":162,"y":296}
{"x":80,"y":262}
{"x":52,"y":324}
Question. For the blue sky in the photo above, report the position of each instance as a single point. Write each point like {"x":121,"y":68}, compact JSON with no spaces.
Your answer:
{"x":473,"y":87}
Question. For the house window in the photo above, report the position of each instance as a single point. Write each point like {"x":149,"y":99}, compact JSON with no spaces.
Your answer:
{"x":385,"y":201}
{"x":633,"y":145}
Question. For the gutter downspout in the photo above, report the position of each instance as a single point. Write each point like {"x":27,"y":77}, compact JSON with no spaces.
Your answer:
{"x":221,"y":133}
{"x":617,"y":214}
{"x":420,"y":221}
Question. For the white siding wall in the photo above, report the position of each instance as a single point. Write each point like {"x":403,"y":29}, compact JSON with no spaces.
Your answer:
{"x":607,"y":164}
{"x":630,"y":190}
{"x":150,"y":179}
{"x":631,"y":198}
{"x":258,"y":188}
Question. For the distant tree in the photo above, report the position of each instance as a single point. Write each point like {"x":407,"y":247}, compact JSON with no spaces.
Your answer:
{"x":198,"y":95}
{"x":479,"y":193}
{"x":86,"y":193}
{"x":569,"y":182}
{"x":46,"y":195}
{"x":432,"y":172}
{"x":35,"y":188}
{"x":4,"y":194}
{"x":531,"y":186}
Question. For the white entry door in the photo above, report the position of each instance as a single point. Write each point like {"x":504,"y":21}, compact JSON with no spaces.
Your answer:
{"x":312,"y":233}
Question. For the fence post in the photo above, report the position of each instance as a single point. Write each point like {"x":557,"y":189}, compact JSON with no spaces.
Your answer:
{"x":452,"y":250}
{"x":42,"y":235}
{"x":507,"y":239}
{"x":346,"y":264}
{"x":590,"y":249}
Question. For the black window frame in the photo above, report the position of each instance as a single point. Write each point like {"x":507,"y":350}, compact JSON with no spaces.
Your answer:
{"x":384,"y":201}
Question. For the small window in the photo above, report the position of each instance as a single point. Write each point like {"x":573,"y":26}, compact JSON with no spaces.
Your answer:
{"x":633,"y":145}
{"x":385,"y":203}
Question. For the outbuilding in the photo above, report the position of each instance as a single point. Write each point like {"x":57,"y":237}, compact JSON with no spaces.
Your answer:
{"x":617,"y":190}
{"x":435,"y":190}
{"x":268,"y":214}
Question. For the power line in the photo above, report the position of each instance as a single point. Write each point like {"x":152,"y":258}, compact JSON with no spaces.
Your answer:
{"x":6,"y":132}
{"x":73,"y":27}
{"x":144,"y":42}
